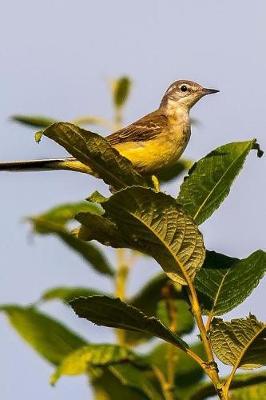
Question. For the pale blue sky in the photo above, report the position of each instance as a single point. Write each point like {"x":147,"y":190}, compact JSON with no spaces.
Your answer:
{"x":56,"y":57}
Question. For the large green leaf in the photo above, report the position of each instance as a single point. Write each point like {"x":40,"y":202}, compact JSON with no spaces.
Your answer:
{"x":154,"y":224}
{"x":210,"y":179}
{"x":92,"y":355}
{"x":95,"y":152}
{"x":54,"y":222}
{"x":36,"y":121}
{"x":240,"y":343}
{"x":107,"y":311}
{"x":52,"y":340}
{"x":66,"y":294}
{"x":121,"y":89}
{"x":219,"y":277}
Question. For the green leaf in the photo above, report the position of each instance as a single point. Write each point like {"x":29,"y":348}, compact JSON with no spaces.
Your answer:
{"x":219,"y":277}
{"x":49,"y":338}
{"x":36,"y":121}
{"x":121,"y":89}
{"x":186,"y":369}
{"x":64,"y":213}
{"x":241,"y":382}
{"x":54,"y":222}
{"x":95,"y":152}
{"x":158,"y":227}
{"x":172,"y":172}
{"x":68,"y":293}
{"x":209,"y":180}
{"x":108,"y":387}
{"x":88,"y":251}
{"x":92,"y":355}
{"x":154,"y":290}
{"x":254,"y":392}
{"x":240,"y":343}
{"x":107,"y":311}
{"x":184,"y":321}
{"x":135,"y":378}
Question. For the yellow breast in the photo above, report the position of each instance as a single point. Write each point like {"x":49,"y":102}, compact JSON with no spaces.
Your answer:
{"x":162,"y":151}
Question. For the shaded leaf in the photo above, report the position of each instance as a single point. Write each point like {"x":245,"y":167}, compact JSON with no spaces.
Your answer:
{"x":133,"y":377}
{"x":240,"y":343}
{"x":67,"y":294}
{"x":219,"y":277}
{"x":186,"y":369}
{"x":172,"y":172}
{"x":184,"y":321}
{"x":95,"y":152}
{"x":209,"y":180}
{"x":206,"y":389}
{"x":154,"y":224}
{"x":154,"y":290}
{"x":92,"y":355}
{"x":36,"y":121}
{"x":121,"y":89}
{"x":49,"y":338}
{"x":108,"y":387}
{"x":107,"y":311}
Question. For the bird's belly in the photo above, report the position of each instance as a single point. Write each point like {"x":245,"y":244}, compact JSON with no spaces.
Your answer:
{"x":152,"y":155}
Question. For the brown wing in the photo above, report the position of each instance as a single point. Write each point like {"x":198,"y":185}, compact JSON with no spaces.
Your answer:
{"x":144,"y":129}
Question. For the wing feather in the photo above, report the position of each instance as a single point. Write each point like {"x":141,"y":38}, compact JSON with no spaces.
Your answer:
{"x":144,"y":129}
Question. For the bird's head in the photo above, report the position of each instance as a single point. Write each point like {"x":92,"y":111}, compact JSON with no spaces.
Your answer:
{"x":184,"y":94}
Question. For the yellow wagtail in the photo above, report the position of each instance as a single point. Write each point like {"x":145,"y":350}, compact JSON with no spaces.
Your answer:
{"x":155,"y":141}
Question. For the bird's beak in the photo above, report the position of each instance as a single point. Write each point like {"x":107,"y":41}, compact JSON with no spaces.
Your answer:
{"x":209,"y":91}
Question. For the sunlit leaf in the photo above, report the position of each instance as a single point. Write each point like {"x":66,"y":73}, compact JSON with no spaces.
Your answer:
{"x":92,"y":355}
{"x":210,"y":179}
{"x":36,"y":121}
{"x":64,"y":213}
{"x":107,"y":311}
{"x":221,"y":275}
{"x":66,"y":294}
{"x":95,"y":152}
{"x":48,"y":337}
{"x":158,"y":227}
{"x":240,"y":343}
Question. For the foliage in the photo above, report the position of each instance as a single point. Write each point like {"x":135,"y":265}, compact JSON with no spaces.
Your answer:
{"x":195,"y":283}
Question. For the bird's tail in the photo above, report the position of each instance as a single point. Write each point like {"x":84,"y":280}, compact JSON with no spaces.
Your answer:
{"x":46,"y":165}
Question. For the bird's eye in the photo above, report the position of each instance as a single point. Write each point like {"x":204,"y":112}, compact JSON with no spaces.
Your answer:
{"x":184,"y":88}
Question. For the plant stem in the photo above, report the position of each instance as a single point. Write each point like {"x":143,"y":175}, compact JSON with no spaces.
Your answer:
{"x":120,"y":287}
{"x":210,"y":367}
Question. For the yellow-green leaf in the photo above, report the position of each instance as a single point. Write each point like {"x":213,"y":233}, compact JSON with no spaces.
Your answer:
{"x":240,"y":342}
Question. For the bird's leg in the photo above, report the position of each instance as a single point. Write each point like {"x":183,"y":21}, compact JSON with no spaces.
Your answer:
{"x":156,"y":183}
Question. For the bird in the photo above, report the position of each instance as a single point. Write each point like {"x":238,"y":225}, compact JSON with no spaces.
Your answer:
{"x":151,"y":143}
